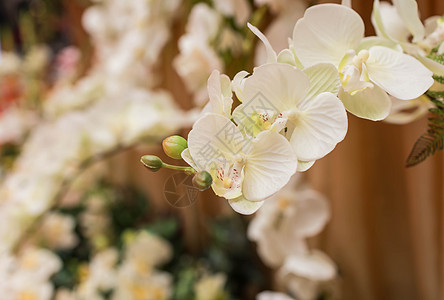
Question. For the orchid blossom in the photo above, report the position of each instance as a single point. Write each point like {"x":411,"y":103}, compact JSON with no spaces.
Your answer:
{"x":245,"y":171}
{"x":368,"y":69}
{"x":301,"y":105}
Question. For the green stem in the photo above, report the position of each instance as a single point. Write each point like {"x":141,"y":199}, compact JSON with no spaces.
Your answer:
{"x":179,"y":168}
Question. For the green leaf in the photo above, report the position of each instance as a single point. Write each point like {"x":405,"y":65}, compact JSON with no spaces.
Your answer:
{"x":433,"y":139}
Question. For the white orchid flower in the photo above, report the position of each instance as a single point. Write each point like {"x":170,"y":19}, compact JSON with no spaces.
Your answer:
{"x":220,"y":94}
{"x":398,"y":22}
{"x":268,"y":295}
{"x":332,"y":33}
{"x":302,"y":274}
{"x":245,"y":171}
{"x":291,"y":216}
{"x":404,"y":112}
{"x":301,"y":105}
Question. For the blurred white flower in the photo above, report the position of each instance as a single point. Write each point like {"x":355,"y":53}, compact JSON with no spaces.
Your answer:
{"x":406,"y":111}
{"x":27,"y":276}
{"x":10,"y":63}
{"x":239,"y":9}
{"x":197,"y":59}
{"x":286,"y":220}
{"x":144,"y":261}
{"x":37,"y":59}
{"x":267,"y":295}
{"x":100,"y":275}
{"x":210,"y":287}
{"x":57,"y":231}
{"x":303,"y":274}
{"x":15,"y":123}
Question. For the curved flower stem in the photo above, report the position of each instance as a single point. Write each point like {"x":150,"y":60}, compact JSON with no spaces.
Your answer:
{"x":33,"y":227}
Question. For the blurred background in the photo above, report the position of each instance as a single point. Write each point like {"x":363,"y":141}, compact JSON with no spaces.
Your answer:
{"x":88,"y":87}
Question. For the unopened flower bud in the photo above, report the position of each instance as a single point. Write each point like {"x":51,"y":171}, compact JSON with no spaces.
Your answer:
{"x":202,"y":180}
{"x":152,"y":162}
{"x":174,"y":145}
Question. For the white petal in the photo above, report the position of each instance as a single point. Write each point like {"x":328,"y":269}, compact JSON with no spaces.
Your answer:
{"x":372,"y":41}
{"x":408,"y":11}
{"x":399,"y":74}
{"x":214,"y":138}
{"x":219,"y":92}
{"x":371,"y":103}
{"x":352,"y":80}
{"x":266,"y":295}
{"x":245,"y":207}
{"x":270,"y":165}
{"x":221,"y":173}
{"x":237,"y":85}
{"x":312,"y":213}
{"x":271,"y":54}
{"x":378,"y":21}
{"x":287,"y":57}
{"x":186,"y":156}
{"x":305,"y":165}
{"x":347,"y":3}
{"x":432,"y":65}
{"x":430,"y":24}
{"x":276,"y":86}
{"x":326,"y":32}
{"x":323,"y":77}
{"x":406,"y":111}
{"x":388,"y":23}
{"x":322,"y":124}
{"x":315,"y":266}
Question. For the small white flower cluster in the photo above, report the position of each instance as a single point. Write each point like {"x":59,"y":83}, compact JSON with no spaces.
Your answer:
{"x":198,"y":55}
{"x":104,"y":110}
{"x":395,"y":25}
{"x":27,"y":276}
{"x":281,"y":230}
{"x":136,"y":277}
{"x":293,"y":107}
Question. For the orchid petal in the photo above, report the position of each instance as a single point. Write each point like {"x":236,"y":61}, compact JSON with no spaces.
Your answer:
{"x":347,"y":3}
{"x":305,"y":165}
{"x":320,"y":125}
{"x":434,"y":66}
{"x":326,"y":32}
{"x":406,"y":111}
{"x":399,"y":74}
{"x":186,"y":156}
{"x":312,"y":213}
{"x":315,"y":266}
{"x":408,"y":12}
{"x":377,"y":21}
{"x":269,"y":166}
{"x":371,"y":103}
{"x":271,"y":54}
{"x":372,"y":41}
{"x":219,"y":92}
{"x":245,"y":207}
{"x":323,"y":77}
{"x":276,"y":86}
{"x":393,"y":25}
{"x":287,"y":57}
{"x":237,"y":85}
{"x":214,"y":138}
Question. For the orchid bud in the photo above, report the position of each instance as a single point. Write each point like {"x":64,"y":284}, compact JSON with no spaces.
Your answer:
{"x":174,"y":145}
{"x":152,"y":162}
{"x":202,"y":180}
